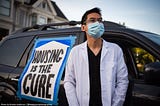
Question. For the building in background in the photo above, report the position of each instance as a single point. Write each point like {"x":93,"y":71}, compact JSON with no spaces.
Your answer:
{"x":16,"y":14}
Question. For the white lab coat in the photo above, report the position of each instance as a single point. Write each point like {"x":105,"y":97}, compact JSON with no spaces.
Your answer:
{"x":113,"y":72}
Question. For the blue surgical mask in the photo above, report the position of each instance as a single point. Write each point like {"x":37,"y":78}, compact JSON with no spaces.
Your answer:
{"x":95,"y":29}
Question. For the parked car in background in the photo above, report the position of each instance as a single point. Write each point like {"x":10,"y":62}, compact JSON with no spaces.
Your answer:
{"x":141,"y":52}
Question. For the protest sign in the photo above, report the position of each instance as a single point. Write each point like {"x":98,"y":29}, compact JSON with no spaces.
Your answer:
{"x":41,"y":77}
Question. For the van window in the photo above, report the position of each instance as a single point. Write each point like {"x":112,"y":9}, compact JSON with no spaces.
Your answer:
{"x":142,"y":57}
{"x":12,"y":50}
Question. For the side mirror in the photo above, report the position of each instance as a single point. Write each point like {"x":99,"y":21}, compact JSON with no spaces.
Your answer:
{"x":152,"y":73}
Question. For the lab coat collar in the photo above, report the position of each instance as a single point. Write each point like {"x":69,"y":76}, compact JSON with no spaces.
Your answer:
{"x":105,"y":45}
{"x":104,"y":49}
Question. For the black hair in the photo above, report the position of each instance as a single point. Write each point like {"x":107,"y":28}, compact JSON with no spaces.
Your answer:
{"x":94,"y":10}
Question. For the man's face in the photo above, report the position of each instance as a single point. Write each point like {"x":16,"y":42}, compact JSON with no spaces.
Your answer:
{"x":91,"y":18}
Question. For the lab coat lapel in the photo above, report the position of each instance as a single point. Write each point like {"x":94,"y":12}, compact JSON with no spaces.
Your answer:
{"x":104,"y":50}
{"x":85,"y":74}
{"x":84,"y":52}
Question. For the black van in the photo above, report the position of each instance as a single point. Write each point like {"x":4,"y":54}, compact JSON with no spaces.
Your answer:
{"x":141,"y":52}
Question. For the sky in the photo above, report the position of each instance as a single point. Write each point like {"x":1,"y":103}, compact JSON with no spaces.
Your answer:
{"x":137,"y":14}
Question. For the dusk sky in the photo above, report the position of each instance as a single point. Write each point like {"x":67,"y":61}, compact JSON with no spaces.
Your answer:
{"x":137,"y":14}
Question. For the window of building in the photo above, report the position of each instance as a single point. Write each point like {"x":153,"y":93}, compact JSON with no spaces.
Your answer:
{"x":42,"y":20}
{"x":34,"y":19}
{"x":49,"y":20}
{"x":21,"y":19}
{"x":43,"y":5}
{"x":5,"y":6}
{"x":3,"y":32}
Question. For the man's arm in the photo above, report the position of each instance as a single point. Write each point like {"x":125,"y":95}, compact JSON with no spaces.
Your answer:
{"x":70,"y":83}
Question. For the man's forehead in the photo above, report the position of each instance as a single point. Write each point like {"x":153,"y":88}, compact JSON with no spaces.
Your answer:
{"x":94,"y":15}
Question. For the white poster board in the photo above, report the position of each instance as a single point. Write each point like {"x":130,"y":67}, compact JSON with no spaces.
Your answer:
{"x":41,"y":77}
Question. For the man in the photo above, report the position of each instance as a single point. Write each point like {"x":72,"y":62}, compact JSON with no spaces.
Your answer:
{"x":96,"y":73}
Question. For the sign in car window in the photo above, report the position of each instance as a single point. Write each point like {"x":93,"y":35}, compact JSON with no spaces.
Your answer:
{"x":41,"y":77}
